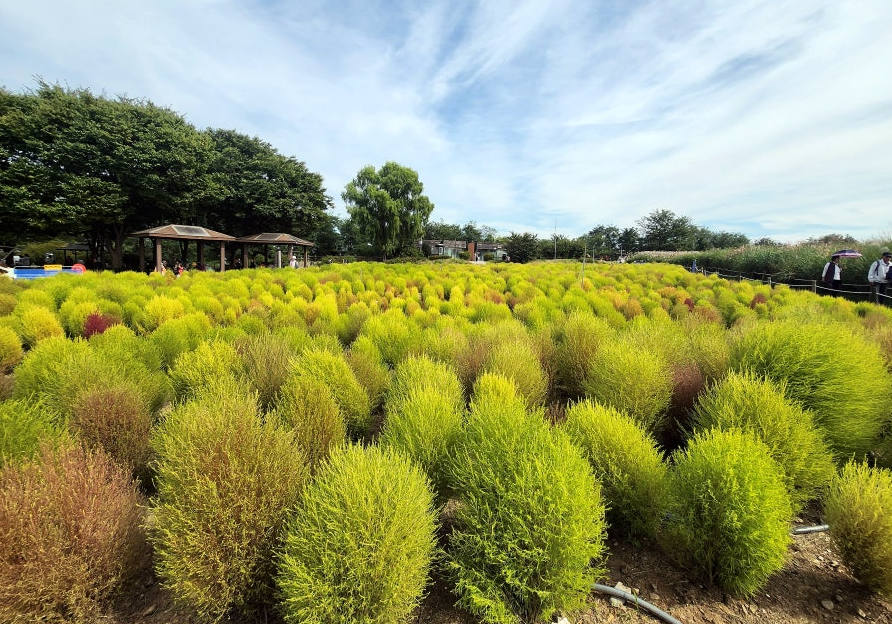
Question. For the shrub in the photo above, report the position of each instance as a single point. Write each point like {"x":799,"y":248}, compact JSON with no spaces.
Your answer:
{"x":529,"y":523}
{"x":266,"y":362}
{"x":729,"y":511}
{"x":179,"y":335}
{"x":744,"y":401}
{"x":634,"y":380}
{"x":24,"y":425}
{"x":370,"y":370}
{"x":226,"y":482}
{"x":578,"y":341}
{"x":57,"y":369}
{"x":208,"y":363}
{"x":69,"y":535}
{"x":626,"y":462}
{"x":38,"y":323}
{"x":115,"y":417}
{"x":360,"y":545}
{"x":518,"y":361}
{"x":333,"y":370}
{"x":830,"y":370}
{"x":395,"y":336}
{"x":858,"y":509}
{"x":11,"y":352}
{"x":307,"y":406}
{"x":425,"y":406}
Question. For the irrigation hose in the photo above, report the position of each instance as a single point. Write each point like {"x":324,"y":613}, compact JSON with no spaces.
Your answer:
{"x":646,"y":606}
{"x":659,"y":613}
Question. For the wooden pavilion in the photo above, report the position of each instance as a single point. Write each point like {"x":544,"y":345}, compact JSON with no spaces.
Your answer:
{"x":187,"y":233}
{"x":266,"y":239}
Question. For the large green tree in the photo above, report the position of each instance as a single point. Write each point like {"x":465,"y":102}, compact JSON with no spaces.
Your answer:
{"x":75,"y":164}
{"x":389,"y":206}
{"x":522,"y":247}
{"x":261,"y":190}
{"x":663,"y":230}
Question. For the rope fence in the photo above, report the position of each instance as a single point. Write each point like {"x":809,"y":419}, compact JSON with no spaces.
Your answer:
{"x":852,"y":292}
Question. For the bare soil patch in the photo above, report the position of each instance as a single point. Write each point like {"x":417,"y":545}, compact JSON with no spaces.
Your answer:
{"x":814,"y":586}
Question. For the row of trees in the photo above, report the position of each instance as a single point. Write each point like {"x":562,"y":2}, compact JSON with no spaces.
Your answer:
{"x":79,"y":166}
{"x":75,"y":165}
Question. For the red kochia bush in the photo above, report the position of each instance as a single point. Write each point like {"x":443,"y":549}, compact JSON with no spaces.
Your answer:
{"x":69,"y":534}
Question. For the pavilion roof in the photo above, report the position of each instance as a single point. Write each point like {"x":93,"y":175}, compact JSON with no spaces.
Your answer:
{"x":268,"y":238}
{"x":183,"y":232}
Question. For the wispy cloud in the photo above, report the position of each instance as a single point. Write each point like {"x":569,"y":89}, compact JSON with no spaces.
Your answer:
{"x":771,"y":118}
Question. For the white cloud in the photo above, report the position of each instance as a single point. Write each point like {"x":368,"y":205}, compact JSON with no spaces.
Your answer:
{"x":772,"y":118}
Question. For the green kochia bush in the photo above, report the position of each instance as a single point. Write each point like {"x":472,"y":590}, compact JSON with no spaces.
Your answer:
{"x":830,"y":370}
{"x":859,"y":511}
{"x":627,"y":463}
{"x":24,"y":426}
{"x":226,"y":482}
{"x":757,"y":405}
{"x":10,"y":350}
{"x":635,"y":380}
{"x":425,"y":407}
{"x":206,"y":365}
{"x":529,"y":525}
{"x":359,"y":547}
{"x":334,"y":371}
{"x":729,"y":513}
{"x":307,"y":406}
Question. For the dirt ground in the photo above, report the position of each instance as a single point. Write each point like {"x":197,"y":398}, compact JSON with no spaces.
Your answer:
{"x":813,"y":587}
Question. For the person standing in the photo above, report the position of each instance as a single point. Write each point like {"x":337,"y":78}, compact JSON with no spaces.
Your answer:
{"x":877,"y":275}
{"x":832,"y":275}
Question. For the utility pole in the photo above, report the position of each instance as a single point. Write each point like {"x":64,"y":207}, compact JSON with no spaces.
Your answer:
{"x":555,"y":239}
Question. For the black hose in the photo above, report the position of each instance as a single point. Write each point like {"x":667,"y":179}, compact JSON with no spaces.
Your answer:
{"x":818,"y":528}
{"x":646,"y":606}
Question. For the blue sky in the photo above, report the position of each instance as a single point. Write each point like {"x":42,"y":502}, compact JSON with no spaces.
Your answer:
{"x":771,"y":118}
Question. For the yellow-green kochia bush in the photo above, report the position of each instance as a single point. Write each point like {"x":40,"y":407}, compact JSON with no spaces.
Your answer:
{"x":757,"y":405}
{"x":858,"y":509}
{"x":519,"y":361}
{"x":425,"y":406}
{"x":208,"y":363}
{"x":333,"y":370}
{"x":226,"y":482}
{"x":729,"y":513}
{"x":633,"y":379}
{"x":265,"y":363}
{"x":307,"y":407}
{"x":626,"y":462}
{"x":24,"y":426}
{"x":529,"y":526}
{"x":830,"y":370}
{"x":11,"y":352}
{"x":359,"y":547}
{"x":577,"y":339}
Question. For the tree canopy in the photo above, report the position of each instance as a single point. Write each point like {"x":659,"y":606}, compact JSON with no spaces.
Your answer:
{"x":389,"y":206}
{"x":73,"y":164}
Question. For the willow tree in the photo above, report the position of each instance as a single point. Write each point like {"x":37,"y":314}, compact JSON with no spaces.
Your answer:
{"x":388,"y":206}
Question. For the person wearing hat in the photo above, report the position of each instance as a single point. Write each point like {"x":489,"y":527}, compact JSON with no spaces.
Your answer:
{"x":878,"y":275}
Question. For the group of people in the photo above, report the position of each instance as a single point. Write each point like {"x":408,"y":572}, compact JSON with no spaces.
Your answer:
{"x":879,"y":275}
